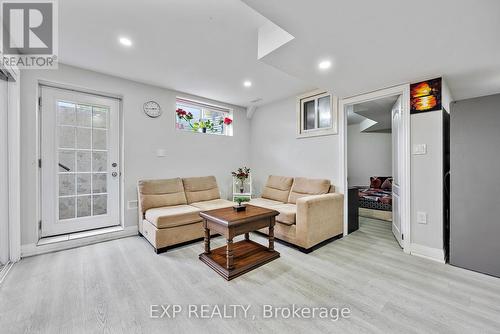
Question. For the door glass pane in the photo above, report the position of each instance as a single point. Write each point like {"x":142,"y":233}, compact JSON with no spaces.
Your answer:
{"x":66,"y":207}
{"x":99,"y":161}
{"x":83,"y":161}
{"x":83,"y":138}
{"x":66,"y":161}
{"x":83,"y":184}
{"x":66,"y":184}
{"x":99,"y":139}
{"x":309,"y":115}
{"x":83,"y":115}
{"x":100,"y":204}
{"x":84,"y":206}
{"x":66,"y":113}
{"x":99,"y":184}
{"x":99,"y":117}
{"x":324,"y":112}
{"x":66,"y":137}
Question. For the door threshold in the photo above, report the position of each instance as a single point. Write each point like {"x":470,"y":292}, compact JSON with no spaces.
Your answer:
{"x":77,"y":239}
{"x":78,"y":235}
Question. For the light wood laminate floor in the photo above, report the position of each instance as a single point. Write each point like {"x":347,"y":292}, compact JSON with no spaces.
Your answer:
{"x":109,"y":287}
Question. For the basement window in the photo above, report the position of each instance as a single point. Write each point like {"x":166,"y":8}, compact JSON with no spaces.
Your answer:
{"x":316,"y":114}
{"x":198,"y":117}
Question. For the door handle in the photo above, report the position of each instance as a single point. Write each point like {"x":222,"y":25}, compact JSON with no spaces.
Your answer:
{"x":64,"y":167}
{"x":114,"y":164}
{"x":114,"y":174}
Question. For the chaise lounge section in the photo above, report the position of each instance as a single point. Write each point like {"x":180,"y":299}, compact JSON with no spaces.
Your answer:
{"x":169,"y":209}
{"x":311,"y":213}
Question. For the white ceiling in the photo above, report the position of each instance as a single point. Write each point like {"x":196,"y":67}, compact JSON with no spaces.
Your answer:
{"x":376,"y":44}
{"x":209,"y":47}
{"x":203,"y":47}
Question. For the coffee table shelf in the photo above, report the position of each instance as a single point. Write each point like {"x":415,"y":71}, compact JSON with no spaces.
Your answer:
{"x":248,"y":255}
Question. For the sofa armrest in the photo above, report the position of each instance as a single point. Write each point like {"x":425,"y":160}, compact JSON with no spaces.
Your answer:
{"x":319,"y":217}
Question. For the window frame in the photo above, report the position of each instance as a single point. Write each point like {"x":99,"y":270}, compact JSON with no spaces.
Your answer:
{"x":203,"y":107}
{"x":315,"y":96}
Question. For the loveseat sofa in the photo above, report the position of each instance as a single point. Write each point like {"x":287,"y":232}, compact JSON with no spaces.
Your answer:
{"x":311,"y":213}
{"x":169,"y":209}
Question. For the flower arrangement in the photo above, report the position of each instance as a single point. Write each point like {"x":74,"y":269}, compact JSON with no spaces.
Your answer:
{"x":226,"y":121}
{"x":241,"y":174}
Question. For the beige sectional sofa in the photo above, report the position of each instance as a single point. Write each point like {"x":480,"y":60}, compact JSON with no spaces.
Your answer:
{"x":169,"y":209}
{"x":311,"y":213}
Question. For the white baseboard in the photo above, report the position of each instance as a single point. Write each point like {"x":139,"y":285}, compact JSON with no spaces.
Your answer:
{"x":5,"y":270}
{"x":434,"y":254}
{"x":43,"y":247}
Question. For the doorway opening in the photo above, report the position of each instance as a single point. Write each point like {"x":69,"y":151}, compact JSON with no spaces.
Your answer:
{"x":376,"y":163}
{"x":79,"y":161}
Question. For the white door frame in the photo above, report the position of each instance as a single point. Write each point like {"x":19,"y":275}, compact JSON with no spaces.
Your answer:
{"x":87,"y":98}
{"x":404,"y":91}
{"x":14,"y":163}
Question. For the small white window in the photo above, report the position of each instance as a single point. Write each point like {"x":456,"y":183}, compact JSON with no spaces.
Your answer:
{"x":316,"y":114}
{"x":194,"y":116}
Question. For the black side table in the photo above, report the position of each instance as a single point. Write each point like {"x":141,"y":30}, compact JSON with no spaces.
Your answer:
{"x":353,"y":210}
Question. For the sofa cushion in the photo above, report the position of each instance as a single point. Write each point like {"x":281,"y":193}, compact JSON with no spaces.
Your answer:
{"x":213,"y":204}
{"x":264,"y":202}
{"x":171,"y":216}
{"x":277,"y":188}
{"x":306,"y":187}
{"x":160,"y":193}
{"x":287,"y":215}
{"x":200,"y":189}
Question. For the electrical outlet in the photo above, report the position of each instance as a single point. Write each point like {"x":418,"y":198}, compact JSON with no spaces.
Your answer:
{"x":132,"y":205}
{"x":422,"y":217}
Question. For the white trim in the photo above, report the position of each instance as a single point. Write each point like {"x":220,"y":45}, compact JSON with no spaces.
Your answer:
{"x":77,"y":240}
{"x":14,"y":153}
{"x":404,"y":91}
{"x":434,"y":254}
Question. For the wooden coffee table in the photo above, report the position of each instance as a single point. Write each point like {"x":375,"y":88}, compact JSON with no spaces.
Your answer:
{"x":240,"y":257}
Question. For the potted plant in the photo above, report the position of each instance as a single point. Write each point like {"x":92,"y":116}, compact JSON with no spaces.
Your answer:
{"x":241,"y":174}
{"x":239,"y":200}
{"x":203,"y":125}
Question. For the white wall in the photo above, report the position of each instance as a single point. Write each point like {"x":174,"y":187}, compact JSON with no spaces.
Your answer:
{"x":427,"y":180}
{"x":189,"y":154}
{"x":368,"y":154}
{"x":274,"y":148}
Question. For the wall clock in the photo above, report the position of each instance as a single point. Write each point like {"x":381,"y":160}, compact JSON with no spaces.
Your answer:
{"x":152,"y":109}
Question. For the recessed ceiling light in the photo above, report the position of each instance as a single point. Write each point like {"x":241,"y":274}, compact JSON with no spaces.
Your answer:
{"x":247,"y":83}
{"x":325,"y":64}
{"x":125,"y":41}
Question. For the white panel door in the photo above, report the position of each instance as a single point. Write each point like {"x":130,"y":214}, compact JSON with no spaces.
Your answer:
{"x":4,"y":176}
{"x":80,"y":187}
{"x":397,"y":168}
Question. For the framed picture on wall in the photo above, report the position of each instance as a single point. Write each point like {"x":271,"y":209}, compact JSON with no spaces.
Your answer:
{"x":425,"y":96}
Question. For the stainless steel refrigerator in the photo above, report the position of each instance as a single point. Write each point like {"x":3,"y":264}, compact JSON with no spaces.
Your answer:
{"x":474,"y":227}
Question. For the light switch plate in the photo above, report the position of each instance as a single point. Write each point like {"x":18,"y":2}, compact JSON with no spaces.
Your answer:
{"x":419,"y":149}
{"x":422,"y":217}
{"x":161,"y":152}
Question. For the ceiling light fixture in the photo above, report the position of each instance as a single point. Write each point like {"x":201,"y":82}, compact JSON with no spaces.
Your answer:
{"x":247,"y":83}
{"x":125,"y":41}
{"x":325,"y":64}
